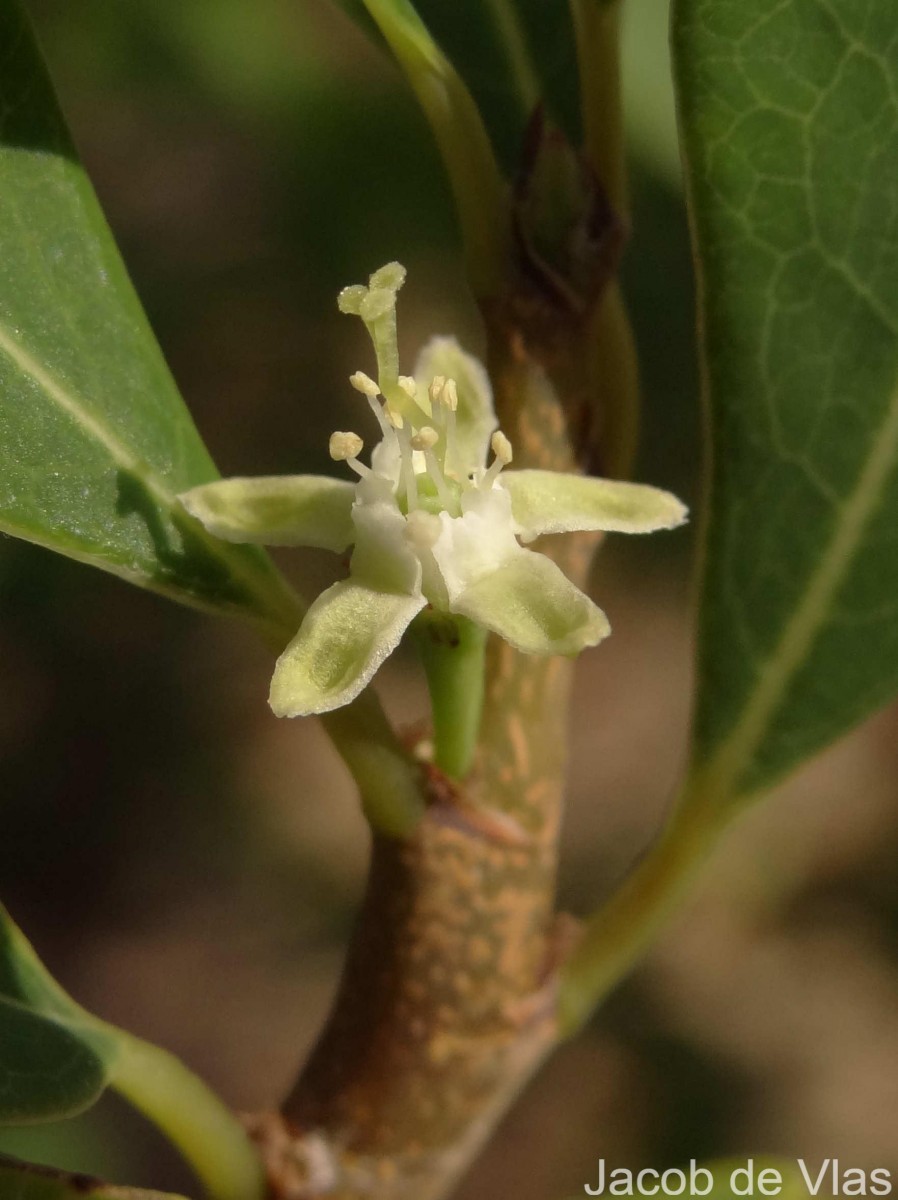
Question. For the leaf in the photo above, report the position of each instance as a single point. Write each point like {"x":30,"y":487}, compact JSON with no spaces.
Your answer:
{"x":25,"y":1181}
{"x":512,"y":54}
{"x":95,"y":442}
{"x":789,"y":119}
{"x":54,"y":1061}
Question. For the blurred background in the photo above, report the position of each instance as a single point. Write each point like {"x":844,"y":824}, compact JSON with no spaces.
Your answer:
{"x":188,"y":865}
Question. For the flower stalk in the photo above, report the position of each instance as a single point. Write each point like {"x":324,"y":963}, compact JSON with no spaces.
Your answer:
{"x":452,"y":651}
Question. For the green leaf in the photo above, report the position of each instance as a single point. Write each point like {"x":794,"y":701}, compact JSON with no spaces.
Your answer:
{"x":790,"y":129}
{"x":54,"y":1062}
{"x":48,"y":1068}
{"x":25,"y":1181}
{"x":512,"y":55}
{"x":460,"y":135}
{"x":95,"y":442}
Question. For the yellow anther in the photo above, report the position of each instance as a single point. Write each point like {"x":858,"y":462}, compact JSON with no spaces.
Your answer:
{"x":425,"y":438}
{"x":449,"y":395}
{"x":343,"y":446}
{"x":394,"y":417}
{"x":436,"y":387}
{"x":501,"y":447}
{"x":365,"y":384}
{"x":408,"y":385}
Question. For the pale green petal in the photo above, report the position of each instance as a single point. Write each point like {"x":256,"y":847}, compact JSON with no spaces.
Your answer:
{"x":277,"y":510}
{"x":346,"y":635}
{"x":530,"y":603}
{"x":476,"y":417}
{"x":382,"y":558}
{"x":552,"y":502}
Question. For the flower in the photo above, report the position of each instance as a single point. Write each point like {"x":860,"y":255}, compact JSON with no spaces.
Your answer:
{"x":431,"y":522}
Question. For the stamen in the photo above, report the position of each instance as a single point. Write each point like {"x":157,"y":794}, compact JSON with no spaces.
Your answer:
{"x":449,"y":407}
{"x":407,"y":469}
{"x":422,"y":529}
{"x":408,"y":385}
{"x":344,"y":447}
{"x":382,"y":417}
{"x":425,"y":438}
{"x":365,"y":384}
{"x":395,"y":418}
{"x":501,"y":447}
{"x":435,"y":390}
{"x":449,"y":395}
{"x":502,"y":450}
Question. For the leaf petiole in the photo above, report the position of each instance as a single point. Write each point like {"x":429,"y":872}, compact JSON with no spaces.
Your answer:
{"x":190,"y":1115}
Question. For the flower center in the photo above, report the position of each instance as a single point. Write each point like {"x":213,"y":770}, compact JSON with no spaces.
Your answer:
{"x":419,"y":456}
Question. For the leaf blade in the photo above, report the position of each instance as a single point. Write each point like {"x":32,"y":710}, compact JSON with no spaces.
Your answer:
{"x":54,"y":1062}
{"x":95,"y":442}
{"x":789,"y":123}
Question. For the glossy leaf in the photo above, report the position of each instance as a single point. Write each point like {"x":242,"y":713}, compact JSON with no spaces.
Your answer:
{"x":790,"y":129}
{"x":25,"y":1181}
{"x":95,"y":442}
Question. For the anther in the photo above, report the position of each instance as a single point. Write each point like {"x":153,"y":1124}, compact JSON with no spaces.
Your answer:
{"x":436,"y":388}
{"x":425,"y":438}
{"x":408,"y":385}
{"x":365,"y":384}
{"x":501,"y":447}
{"x":449,"y":395}
{"x":448,"y":402}
{"x":343,"y":446}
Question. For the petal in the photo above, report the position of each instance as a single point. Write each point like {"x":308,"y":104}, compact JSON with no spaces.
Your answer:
{"x":346,"y":635}
{"x":476,"y":416}
{"x":383,"y":559}
{"x":530,"y":603}
{"x":553,"y":502}
{"x":278,"y":510}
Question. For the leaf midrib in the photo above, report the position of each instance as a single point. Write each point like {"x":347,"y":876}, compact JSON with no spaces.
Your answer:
{"x":80,"y":412}
{"x":718,"y":780}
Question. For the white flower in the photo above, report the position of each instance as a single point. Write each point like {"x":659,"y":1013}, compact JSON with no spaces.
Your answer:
{"x":431,"y":522}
